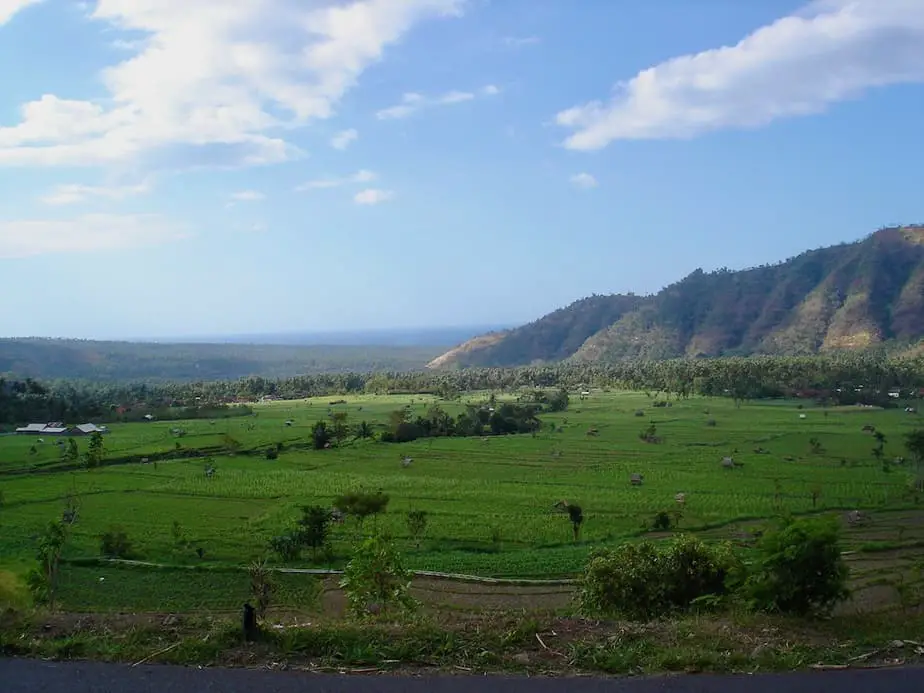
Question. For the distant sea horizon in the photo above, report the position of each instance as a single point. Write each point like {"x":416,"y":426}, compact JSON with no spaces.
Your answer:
{"x":401,"y":336}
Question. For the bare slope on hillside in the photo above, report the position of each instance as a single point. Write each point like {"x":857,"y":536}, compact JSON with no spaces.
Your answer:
{"x":850,"y":296}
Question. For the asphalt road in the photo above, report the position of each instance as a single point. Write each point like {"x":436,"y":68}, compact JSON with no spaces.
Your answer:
{"x":33,"y":676}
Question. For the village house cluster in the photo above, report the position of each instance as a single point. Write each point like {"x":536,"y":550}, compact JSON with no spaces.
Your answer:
{"x":57,"y":428}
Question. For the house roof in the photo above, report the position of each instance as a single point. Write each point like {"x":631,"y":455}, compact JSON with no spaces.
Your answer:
{"x":52,"y":431}
{"x":33,"y":427}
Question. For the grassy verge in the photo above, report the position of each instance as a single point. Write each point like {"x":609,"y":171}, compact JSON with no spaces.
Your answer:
{"x":482,"y":644}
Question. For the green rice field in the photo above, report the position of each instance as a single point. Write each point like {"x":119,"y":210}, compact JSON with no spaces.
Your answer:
{"x":489,"y":500}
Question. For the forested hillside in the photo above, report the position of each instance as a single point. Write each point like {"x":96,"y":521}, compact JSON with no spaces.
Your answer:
{"x":125,"y":361}
{"x":848,"y":297}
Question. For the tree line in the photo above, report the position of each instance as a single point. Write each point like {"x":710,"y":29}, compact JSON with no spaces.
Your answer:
{"x":838,"y":379}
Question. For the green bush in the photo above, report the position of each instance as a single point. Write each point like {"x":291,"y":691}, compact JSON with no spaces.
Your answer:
{"x":375,"y":580}
{"x":115,"y":544}
{"x":288,"y":546}
{"x":800,"y":570}
{"x":647,"y":580}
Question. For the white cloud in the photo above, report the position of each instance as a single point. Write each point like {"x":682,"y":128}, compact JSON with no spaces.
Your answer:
{"x":412,"y":102}
{"x":520,"y":41}
{"x":583,"y":180}
{"x":343,"y":139}
{"x":74,"y":193}
{"x":247,"y":196}
{"x":213,"y":78}
{"x":372,"y":196}
{"x":361,"y":176}
{"x":10,"y":7}
{"x":87,"y":233}
{"x":831,"y":51}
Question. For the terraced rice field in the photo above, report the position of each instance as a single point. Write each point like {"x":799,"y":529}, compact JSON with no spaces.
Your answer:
{"x":489,"y":501}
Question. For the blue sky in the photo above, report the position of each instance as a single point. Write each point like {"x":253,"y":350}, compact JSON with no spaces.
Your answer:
{"x":188,"y":167}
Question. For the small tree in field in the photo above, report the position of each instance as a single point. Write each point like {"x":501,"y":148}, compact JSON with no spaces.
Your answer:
{"x":71,"y":452}
{"x":815,"y":492}
{"x":361,"y":504}
{"x":115,"y":544}
{"x":576,"y":515}
{"x":314,"y":526}
{"x":416,"y":524}
{"x":261,"y":587}
{"x":320,"y":435}
{"x":375,"y":580}
{"x":43,"y":580}
{"x":96,"y":451}
{"x":339,"y":428}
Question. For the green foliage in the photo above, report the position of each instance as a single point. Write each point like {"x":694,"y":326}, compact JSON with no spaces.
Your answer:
{"x":287,"y":546}
{"x":800,"y":570}
{"x":230,"y":443}
{"x":339,"y":428}
{"x":96,"y":451}
{"x":662,"y":521}
{"x":650,"y":434}
{"x":271,"y":454}
{"x":115,"y":544}
{"x":647,"y":580}
{"x":261,"y":587}
{"x":416,"y":524}
{"x":320,"y":435}
{"x":13,"y":594}
{"x":313,"y":527}
{"x":362,"y":504}
{"x":364,"y":430}
{"x":559,"y":401}
{"x":71,"y":452}
{"x":576,"y":516}
{"x":43,"y":580}
{"x":375,"y":580}
{"x":102,"y":362}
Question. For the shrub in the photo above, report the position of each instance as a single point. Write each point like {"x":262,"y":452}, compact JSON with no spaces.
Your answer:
{"x":645,"y":580}
{"x":800,"y":570}
{"x":288,"y":546}
{"x":375,"y":581}
{"x":115,"y":544}
{"x":662,"y":521}
{"x":314,"y":526}
{"x":272,"y":454}
{"x":362,"y":504}
{"x":13,"y":594}
{"x":261,"y":587}
{"x":416,"y":524}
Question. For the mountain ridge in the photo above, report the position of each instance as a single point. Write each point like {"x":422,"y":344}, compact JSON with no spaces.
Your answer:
{"x":849,"y":296}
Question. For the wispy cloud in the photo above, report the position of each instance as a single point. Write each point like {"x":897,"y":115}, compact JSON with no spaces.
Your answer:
{"x":344,"y":139}
{"x":583,"y":180}
{"x":361,"y":176}
{"x":412,"y":102}
{"x":215,"y":78}
{"x":831,"y":51}
{"x":521,"y":41}
{"x":373,"y":196}
{"x":10,"y":7}
{"x":76,"y":193}
{"x":85,"y":234}
{"x":247,"y":196}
